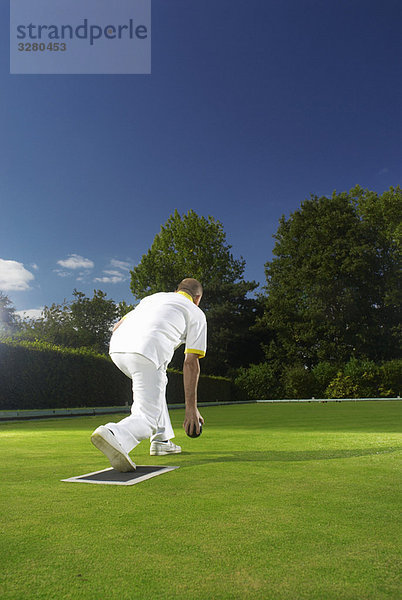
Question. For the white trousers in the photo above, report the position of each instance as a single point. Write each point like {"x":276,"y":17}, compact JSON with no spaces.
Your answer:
{"x":149,"y":413}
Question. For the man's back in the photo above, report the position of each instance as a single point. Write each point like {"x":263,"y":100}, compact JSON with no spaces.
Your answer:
{"x":159,"y":324}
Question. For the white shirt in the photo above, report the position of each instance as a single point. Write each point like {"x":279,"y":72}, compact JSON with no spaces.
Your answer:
{"x":160,"y":324}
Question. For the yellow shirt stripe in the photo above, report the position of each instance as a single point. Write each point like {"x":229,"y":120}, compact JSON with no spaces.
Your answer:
{"x":186,"y":295}
{"x":200,"y":353}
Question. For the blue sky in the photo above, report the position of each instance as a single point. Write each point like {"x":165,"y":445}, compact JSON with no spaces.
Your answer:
{"x":250,"y":108}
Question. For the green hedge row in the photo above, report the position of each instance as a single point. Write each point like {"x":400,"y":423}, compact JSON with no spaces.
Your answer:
{"x":355,"y":379}
{"x":38,"y":375}
{"x":210,"y":388}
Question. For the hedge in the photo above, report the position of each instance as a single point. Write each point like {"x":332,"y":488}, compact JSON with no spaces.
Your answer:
{"x":38,"y":375}
{"x":355,"y":379}
{"x":365,"y":379}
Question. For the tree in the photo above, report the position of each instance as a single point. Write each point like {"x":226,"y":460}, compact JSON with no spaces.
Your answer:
{"x":194,"y":246}
{"x":93,"y":318}
{"x":190,"y":246}
{"x":123,"y":308}
{"x":332,"y":289}
{"x":232,"y":340}
{"x":83,"y":322}
{"x":54,"y":326}
{"x":383,"y":214}
{"x":8,"y":317}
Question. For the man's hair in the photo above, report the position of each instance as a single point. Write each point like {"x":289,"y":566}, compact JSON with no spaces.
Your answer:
{"x":191,"y":286}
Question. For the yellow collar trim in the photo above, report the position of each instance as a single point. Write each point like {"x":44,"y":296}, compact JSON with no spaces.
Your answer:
{"x":186,"y":295}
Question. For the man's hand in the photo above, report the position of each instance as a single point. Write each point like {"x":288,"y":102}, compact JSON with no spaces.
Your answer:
{"x":192,"y":421}
{"x":191,"y":373}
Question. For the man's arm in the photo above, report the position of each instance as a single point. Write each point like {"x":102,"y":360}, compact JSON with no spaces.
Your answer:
{"x":117,"y":325}
{"x":191,"y":374}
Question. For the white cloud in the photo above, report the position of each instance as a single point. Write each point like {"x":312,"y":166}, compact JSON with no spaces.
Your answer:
{"x":35,"y":267}
{"x":116,"y":272}
{"x":14,"y":276}
{"x":114,"y":279}
{"x":30,"y":313}
{"x":120,"y":264}
{"x":62,"y":273}
{"x":75,"y":261}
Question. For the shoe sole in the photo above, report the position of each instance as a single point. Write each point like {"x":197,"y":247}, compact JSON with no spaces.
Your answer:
{"x":118,"y":461}
{"x":164,"y":452}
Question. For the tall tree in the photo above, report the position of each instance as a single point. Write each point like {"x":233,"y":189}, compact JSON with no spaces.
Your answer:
{"x":83,"y":322}
{"x":53,"y":326}
{"x":8,"y":316}
{"x":187,"y":245}
{"x":332,"y":286}
{"x":195,"y":246}
{"x":92,"y":318}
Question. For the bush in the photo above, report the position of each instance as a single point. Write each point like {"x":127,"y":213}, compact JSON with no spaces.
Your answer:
{"x":358,"y":379}
{"x":324,"y":372}
{"x":40,"y":375}
{"x":298,"y":382}
{"x":391,"y":379}
{"x":355,"y":379}
{"x":259,"y":382}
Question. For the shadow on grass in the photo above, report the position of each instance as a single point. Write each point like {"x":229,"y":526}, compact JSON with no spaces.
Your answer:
{"x":280,"y":455}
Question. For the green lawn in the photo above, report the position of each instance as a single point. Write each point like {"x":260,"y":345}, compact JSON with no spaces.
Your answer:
{"x":273,"y":501}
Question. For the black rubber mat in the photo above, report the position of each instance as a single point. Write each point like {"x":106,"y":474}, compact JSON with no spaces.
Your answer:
{"x":111,"y":476}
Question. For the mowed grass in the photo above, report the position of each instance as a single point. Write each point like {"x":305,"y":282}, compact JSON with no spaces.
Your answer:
{"x":273,"y":501}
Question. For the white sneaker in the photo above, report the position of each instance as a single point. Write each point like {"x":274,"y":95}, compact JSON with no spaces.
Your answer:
{"x":163,"y":448}
{"x":103,"y":439}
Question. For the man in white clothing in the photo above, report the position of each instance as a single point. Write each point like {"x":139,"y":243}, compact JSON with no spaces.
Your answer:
{"x":142,"y":346}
